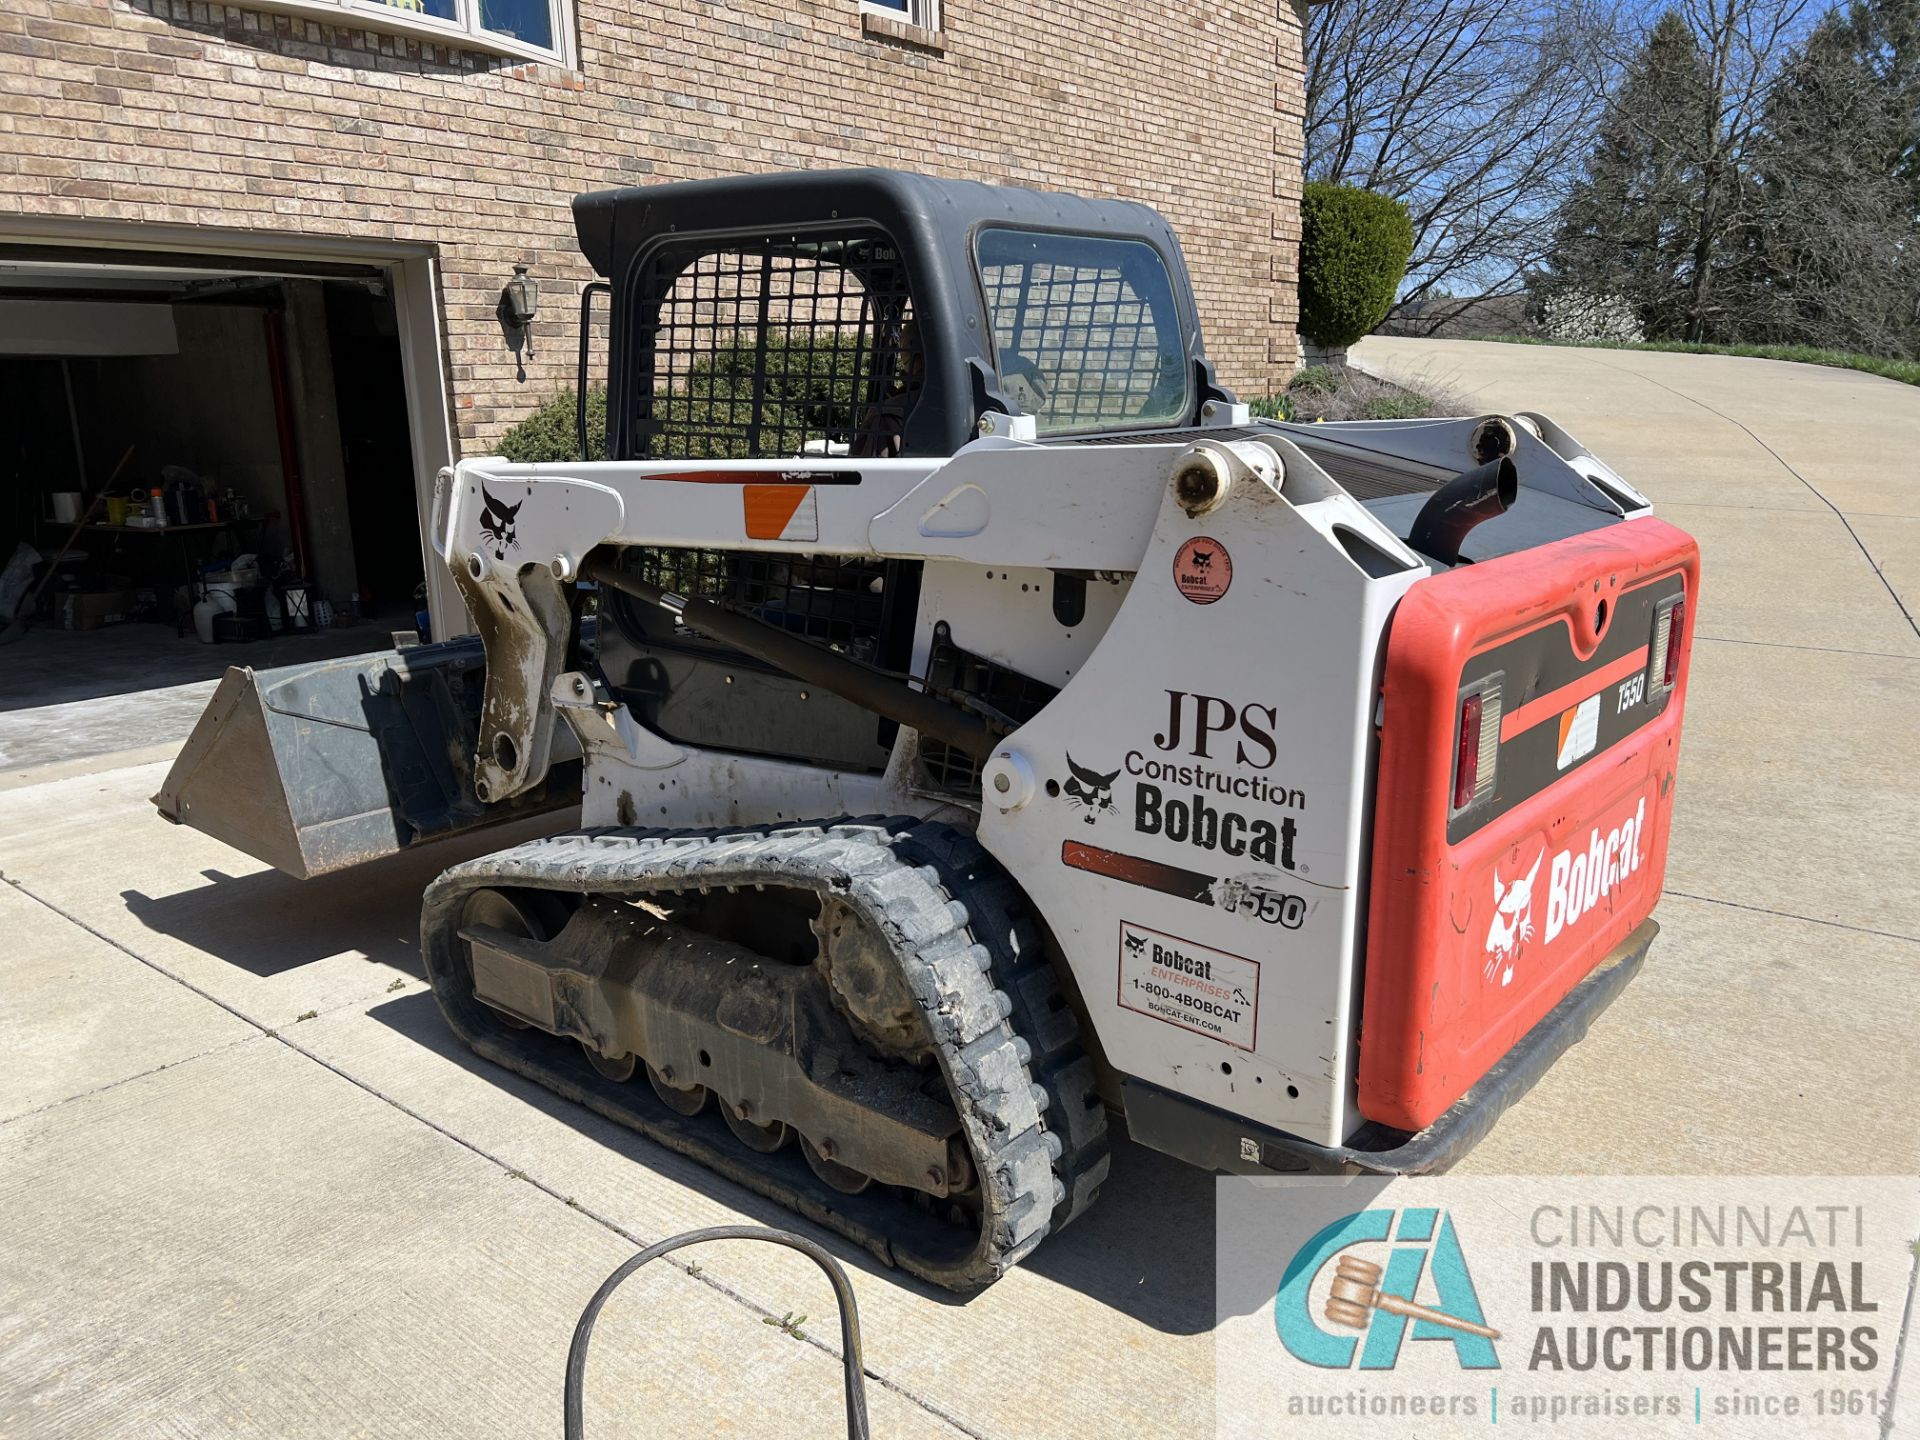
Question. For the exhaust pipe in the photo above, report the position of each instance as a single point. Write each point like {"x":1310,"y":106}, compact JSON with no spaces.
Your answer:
{"x":1472,"y":496}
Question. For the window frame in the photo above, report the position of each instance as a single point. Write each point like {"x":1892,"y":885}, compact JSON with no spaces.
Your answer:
{"x":460,"y":33}
{"x":920,"y":14}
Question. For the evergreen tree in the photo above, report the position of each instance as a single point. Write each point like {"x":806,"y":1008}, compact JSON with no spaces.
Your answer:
{"x":1832,"y":228}
{"x":1887,"y":38}
{"x":1624,"y":229}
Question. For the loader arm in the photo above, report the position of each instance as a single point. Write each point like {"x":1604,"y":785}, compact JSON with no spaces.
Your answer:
{"x":516,"y":536}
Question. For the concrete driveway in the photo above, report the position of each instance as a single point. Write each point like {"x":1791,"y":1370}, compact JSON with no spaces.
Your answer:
{"x":251,"y":1186}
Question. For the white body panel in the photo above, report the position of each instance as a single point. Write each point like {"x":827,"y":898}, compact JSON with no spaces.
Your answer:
{"x":1282,"y":668}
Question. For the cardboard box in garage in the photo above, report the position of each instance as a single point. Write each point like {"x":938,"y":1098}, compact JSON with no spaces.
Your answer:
{"x":90,"y":609}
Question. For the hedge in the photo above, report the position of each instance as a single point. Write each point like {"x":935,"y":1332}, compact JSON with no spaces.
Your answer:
{"x":552,"y":433}
{"x":1354,"y":248}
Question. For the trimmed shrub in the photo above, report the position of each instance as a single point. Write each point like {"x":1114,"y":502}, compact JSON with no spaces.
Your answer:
{"x":1354,"y":247}
{"x":552,"y":433}
{"x":813,"y":387}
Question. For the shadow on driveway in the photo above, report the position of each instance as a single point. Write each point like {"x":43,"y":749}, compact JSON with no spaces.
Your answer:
{"x":1145,"y":1249}
{"x":268,"y":923}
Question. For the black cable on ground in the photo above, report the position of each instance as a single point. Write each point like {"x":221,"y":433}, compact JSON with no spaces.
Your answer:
{"x":857,"y":1426}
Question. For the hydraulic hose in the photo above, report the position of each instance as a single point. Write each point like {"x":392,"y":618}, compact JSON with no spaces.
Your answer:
{"x":857,"y":1425}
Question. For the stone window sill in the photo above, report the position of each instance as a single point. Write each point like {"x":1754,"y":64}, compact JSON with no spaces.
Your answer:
{"x":885,"y":27}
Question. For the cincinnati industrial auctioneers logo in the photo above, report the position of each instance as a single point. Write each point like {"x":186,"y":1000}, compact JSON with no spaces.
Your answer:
{"x":1377,"y":1301}
{"x":1603,"y":1307}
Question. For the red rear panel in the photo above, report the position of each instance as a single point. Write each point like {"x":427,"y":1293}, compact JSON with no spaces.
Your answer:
{"x":1484,"y":916}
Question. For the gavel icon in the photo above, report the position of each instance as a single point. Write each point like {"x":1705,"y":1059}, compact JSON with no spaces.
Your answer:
{"x":1356,"y":1291}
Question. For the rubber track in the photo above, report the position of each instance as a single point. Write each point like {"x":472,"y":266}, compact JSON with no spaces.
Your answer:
{"x":891,"y":872}
{"x":1042,"y":1018}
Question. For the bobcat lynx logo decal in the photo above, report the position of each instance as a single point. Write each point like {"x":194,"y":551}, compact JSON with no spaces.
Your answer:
{"x":1136,"y":944}
{"x":1512,"y":920}
{"x":1089,"y":789}
{"x":497,"y":523}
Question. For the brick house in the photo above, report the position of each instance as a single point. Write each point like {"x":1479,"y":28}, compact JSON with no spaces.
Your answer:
{"x":415,"y":151}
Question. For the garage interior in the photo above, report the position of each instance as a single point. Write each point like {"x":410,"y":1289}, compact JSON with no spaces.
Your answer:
{"x":207,"y":463}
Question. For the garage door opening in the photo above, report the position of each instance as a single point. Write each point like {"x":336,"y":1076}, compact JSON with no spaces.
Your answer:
{"x":236,"y":448}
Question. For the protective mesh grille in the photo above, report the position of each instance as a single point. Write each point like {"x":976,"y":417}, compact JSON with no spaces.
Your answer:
{"x":1094,"y":348}
{"x":834,"y":602}
{"x":775,"y":350}
{"x":955,"y":671}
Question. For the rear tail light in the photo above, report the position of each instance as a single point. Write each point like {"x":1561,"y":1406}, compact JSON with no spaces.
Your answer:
{"x":1676,"y":632}
{"x":1466,"y":764}
{"x":1478,"y":749}
{"x":1669,"y":629}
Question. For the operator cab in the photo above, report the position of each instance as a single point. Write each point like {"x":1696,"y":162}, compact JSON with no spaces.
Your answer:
{"x":860,"y":313}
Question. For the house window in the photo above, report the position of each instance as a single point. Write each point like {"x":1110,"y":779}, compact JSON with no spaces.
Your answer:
{"x":921,"y":14}
{"x":533,"y":29}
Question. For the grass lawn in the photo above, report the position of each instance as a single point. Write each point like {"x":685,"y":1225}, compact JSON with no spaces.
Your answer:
{"x":1906,"y":371}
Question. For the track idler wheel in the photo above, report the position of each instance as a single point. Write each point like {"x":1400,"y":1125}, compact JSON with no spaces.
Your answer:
{"x":530,"y":914}
{"x":764,"y":1138}
{"x":843,"y":1178}
{"x":689,"y":1101}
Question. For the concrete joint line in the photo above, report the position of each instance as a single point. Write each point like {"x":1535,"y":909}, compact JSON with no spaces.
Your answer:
{"x":745,"y":1302}
{"x":1790,"y":915}
{"x":1812,"y":489}
{"x":125,"y":1079}
{"x":1817,"y":649}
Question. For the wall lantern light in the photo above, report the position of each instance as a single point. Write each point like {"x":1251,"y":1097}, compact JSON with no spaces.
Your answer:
{"x":521,"y":301}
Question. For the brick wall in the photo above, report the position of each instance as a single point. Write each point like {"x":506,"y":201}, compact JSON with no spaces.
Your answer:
{"x":179,"y":111}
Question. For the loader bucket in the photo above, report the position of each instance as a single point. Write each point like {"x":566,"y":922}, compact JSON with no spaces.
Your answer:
{"x":315,"y":768}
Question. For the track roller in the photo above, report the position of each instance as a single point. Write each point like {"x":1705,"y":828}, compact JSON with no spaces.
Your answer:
{"x":843,"y":1178}
{"x":688,"y":1101}
{"x":764,"y":1138}
{"x":613,"y":1067}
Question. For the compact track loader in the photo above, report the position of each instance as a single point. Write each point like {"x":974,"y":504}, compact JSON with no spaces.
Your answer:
{"x":981,"y":724}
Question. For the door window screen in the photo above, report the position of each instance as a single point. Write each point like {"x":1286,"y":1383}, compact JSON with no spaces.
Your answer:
{"x":774,"y":349}
{"x":1085,"y":330}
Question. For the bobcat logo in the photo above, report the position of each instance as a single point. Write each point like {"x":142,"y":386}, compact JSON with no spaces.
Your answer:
{"x":1089,"y":789}
{"x":1136,"y":944}
{"x":497,"y":524}
{"x":1512,"y":920}
{"x":1203,"y":559}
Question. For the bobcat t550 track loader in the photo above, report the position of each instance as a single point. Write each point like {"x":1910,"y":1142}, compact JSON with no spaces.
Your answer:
{"x":982,"y":725}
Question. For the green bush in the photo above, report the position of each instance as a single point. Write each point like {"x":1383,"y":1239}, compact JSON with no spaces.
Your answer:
{"x":814,"y":385}
{"x":1318,"y":380}
{"x":814,"y":382}
{"x":552,"y":432}
{"x":1354,"y":247}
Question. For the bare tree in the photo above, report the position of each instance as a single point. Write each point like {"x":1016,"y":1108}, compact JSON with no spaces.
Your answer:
{"x":1474,"y":113}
